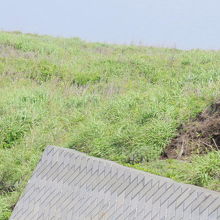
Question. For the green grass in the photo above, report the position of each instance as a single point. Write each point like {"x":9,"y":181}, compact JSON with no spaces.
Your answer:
{"x":122,"y":103}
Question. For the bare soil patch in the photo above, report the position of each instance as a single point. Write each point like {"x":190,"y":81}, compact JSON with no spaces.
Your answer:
{"x":198,"y":136}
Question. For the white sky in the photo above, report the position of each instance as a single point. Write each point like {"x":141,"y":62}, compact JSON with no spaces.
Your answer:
{"x":183,"y":24}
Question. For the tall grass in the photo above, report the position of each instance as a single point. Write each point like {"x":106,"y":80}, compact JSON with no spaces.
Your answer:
{"x":122,"y":103}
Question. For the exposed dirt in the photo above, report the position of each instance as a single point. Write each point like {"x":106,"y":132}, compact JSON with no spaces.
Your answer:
{"x":198,"y":136}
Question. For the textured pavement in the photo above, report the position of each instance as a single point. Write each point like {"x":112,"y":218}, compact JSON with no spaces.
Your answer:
{"x":68,"y":185}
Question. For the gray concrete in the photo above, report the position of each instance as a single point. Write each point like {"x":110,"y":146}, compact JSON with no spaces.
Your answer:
{"x":68,"y":185}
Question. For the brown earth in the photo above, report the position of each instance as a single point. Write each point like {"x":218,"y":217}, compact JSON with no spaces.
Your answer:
{"x":198,"y":136}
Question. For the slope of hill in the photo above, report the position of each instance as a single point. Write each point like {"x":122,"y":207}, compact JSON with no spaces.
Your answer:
{"x":123,"y":103}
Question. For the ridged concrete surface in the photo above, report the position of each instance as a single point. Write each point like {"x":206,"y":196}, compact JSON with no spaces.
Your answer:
{"x":68,"y":185}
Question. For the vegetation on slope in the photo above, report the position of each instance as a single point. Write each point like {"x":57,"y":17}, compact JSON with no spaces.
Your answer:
{"x":123,"y":103}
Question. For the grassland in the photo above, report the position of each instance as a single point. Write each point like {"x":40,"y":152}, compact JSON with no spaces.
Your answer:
{"x":123,"y":103}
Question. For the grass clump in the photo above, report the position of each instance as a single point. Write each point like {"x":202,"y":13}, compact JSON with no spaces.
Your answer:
{"x":123,"y":103}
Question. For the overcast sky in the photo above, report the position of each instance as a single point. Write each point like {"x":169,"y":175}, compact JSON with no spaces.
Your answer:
{"x":183,"y":24}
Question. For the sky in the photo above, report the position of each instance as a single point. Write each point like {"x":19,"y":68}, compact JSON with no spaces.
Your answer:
{"x":183,"y":24}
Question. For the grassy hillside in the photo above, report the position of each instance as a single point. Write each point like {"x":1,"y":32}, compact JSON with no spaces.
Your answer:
{"x":123,"y":103}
